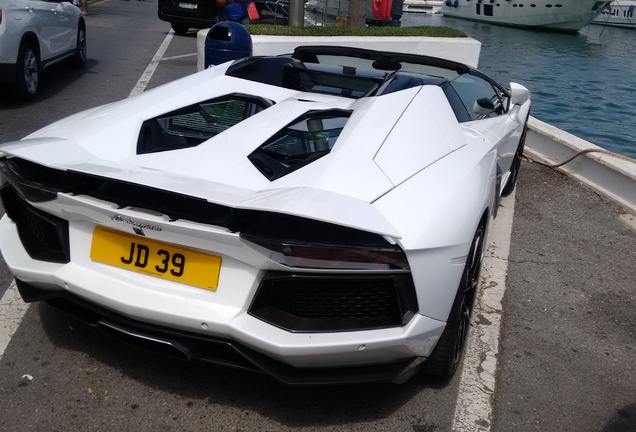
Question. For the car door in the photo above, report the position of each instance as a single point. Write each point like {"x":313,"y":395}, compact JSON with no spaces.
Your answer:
{"x":487,"y":107}
{"x":54,"y":26}
{"x":20,"y":17}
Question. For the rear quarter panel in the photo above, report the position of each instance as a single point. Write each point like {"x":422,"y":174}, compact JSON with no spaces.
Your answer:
{"x":437,"y":212}
{"x":426,"y":132}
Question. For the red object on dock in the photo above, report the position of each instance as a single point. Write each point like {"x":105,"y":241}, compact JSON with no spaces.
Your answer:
{"x":381,"y":9}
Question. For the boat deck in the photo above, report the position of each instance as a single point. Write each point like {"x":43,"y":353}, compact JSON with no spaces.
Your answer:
{"x":423,"y":6}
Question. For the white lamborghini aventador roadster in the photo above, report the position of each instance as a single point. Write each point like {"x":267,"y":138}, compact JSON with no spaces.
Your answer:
{"x":320,"y":216}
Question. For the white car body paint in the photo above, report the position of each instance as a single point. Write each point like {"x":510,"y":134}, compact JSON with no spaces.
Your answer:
{"x":377,"y":179}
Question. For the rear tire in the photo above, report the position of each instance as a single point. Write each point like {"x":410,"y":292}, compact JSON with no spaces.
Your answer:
{"x":179,"y":29}
{"x":27,"y":78}
{"x":446,"y":356}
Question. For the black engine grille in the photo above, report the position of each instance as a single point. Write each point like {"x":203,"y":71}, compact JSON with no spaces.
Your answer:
{"x":318,"y":303}
{"x":44,"y":236}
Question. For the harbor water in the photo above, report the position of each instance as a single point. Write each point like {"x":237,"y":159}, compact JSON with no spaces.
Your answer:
{"x":583,"y":83}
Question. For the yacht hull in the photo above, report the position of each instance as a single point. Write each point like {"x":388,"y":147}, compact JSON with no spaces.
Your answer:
{"x":622,"y":13}
{"x":566,"y":15}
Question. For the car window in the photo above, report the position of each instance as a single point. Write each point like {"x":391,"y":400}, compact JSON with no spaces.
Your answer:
{"x":192,"y":125}
{"x":301,"y":142}
{"x":479,"y":96}
{"x":336,"y":80}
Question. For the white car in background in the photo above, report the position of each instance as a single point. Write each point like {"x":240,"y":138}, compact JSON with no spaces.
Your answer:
{"x":35,"y":34}
{"x":320,"y":217}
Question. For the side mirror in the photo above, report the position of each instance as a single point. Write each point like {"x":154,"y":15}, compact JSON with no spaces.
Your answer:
{"x":483,"y":106}
{"x":518,"y":94}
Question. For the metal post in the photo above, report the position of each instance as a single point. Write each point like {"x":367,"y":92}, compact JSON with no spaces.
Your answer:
{"x":396,"y":13}
{"x":296,"y":13}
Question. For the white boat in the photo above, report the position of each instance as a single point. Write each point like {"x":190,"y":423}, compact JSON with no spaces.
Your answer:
{"x":562,"y":15}
{"x":621,"y":13}
{"x":428,"y":7}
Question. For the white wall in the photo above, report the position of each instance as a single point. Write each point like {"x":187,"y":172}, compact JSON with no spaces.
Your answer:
{"x":609,"y":175}
{"x":463,"y":50}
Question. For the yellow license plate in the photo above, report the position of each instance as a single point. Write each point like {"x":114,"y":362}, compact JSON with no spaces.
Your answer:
{"x":155,"y":258}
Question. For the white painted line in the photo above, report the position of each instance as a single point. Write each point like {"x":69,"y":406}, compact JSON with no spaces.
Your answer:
{"x":473,"y":411}
{"x":150,"y":70}
{"x":12,"y":309}
{"x":178,"y":57}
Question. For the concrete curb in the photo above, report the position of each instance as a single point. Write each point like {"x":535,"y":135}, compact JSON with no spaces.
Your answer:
{"x":610,"y":176}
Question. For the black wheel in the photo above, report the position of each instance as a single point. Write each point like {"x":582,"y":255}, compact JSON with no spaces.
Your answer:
{"x":79,"y":57}
{"x":444,"y":360}
{"x":179,"y":29}
{"x":516,"y":164}
{"x":27,"y":77}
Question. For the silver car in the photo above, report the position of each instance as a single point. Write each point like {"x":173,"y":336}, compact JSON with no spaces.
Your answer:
{"x":35,"y":34}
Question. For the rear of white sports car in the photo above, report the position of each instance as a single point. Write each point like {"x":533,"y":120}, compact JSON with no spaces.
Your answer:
{"x":315,"y":237}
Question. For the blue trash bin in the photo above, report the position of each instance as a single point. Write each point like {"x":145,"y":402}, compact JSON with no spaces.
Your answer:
{"x":227,"y":41}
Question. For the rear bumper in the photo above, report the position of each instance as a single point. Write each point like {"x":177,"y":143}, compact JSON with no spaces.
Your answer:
{"x":189,"y":346}
{"x":169,"y":11}
{"x":173,"y":18}
{"x":295,"y":325}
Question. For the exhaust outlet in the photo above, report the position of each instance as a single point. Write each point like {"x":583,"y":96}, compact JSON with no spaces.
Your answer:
{"x":148,"y":343}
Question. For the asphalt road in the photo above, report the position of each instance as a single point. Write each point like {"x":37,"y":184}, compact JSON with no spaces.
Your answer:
{"x":569,"y":336}
{"x":567,"y":357}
